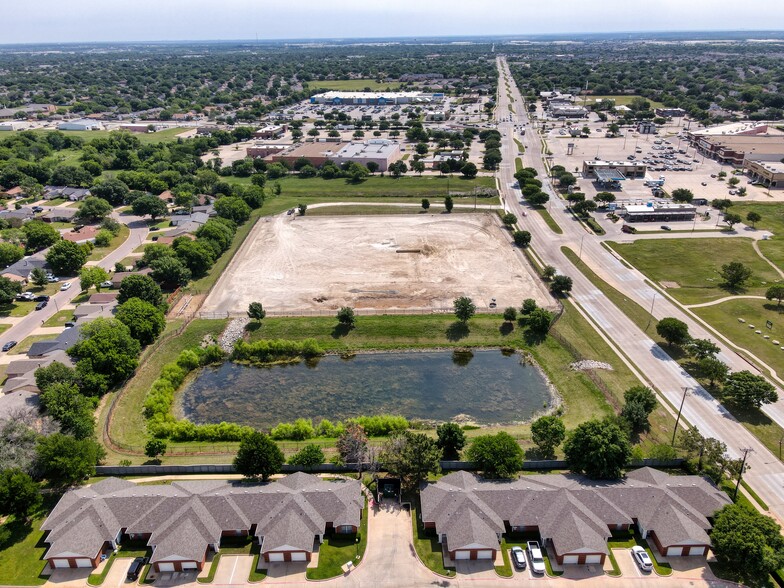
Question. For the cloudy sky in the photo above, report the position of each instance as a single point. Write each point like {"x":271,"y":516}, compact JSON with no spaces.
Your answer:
{"x":171,"y":20}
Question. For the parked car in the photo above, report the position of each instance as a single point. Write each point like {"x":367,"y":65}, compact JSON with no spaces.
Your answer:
{"x":42,"y":298}
{"x":106,"y":284}
{"x":642,"y":559}
{"x":8,"y":346}
{"x":535,"y":555}
{"x":41,"y":305}
{"x":136,"y":567}
{"x":628,"y":229}
{"x":26,"y":296}
{"x":65,"y":286}
{"x":704,"y":183}
{"x":666,"y":228}
{"x":38,"y":209}
{"x":52,"y":278}
{"x":518,"y":557}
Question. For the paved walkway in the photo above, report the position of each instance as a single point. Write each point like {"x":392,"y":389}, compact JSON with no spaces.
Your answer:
{"x":725,"y":299}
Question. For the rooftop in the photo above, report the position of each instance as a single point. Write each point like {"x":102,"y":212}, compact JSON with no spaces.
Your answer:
{"x":371,"y":148}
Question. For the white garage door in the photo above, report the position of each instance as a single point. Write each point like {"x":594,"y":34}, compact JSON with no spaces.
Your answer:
{"x":166,"y":566}
{"x":484,"y":554}
{"x":674,"y":551}
{"x":276,"y":557}
{"x":696,"y":550}
{"x":593,"y":559}
{"x":298,"y":556}
{"x":189,"y":565}
{"x":462,"y":555}
{"x":571,"y":559}
{"x":83,"y":562}
{"x":61,"y":563}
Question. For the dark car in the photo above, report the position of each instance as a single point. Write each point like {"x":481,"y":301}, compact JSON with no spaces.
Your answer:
{"x":41,"y":305}
{"x":666,"y":228}
{"x":37,"y":209}
{"x":10,"y":345}
{"x":42,"y":298}
{"x":518,"y":557}
{"x":136,"y":567}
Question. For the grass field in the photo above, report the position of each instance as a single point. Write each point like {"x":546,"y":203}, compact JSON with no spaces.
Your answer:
{"x":411,"y":186}
{"x":358,"y":85}
{"x":145,"y":138}
{"x":773,"y":221}
{"x":101,"y":252}
{"x":435,"y":208}
{"x":16,"y":308}
{"x":20,"y":556}
{"x":620,"y":100}
{"x":694,"y":264}
{"x":59,"y":318}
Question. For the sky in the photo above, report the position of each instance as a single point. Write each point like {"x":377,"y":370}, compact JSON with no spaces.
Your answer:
{"x":63,"y":21}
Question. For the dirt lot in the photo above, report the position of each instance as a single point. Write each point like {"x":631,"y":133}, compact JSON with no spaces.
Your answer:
{"x":297,"y":265}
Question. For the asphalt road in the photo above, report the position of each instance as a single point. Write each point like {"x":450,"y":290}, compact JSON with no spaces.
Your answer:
{"x":766,"y":472}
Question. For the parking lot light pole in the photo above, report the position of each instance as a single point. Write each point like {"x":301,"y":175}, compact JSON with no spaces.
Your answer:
{"x":678,"y":419}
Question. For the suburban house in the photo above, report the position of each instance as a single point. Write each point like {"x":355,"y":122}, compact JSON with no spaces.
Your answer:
{"x":573,"y":515}
{"x":23,"y":214}
{"x":72,"y":194}
{"x":82,"y":234}
{"x":21,"y":373}
{"x":63,"y":342}
{"x":118,"y":277}
{"x":20,"y":271}
{"x":196,"y":217}
{"x":60,"y":215}
{"x":184,"y":521}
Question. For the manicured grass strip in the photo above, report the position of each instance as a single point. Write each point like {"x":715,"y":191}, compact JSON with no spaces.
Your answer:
{"x":27,"y":342}
{"x":518,"y":164}
{"x":16,"y":309}
{"x":21,"y":553}
{"x":213,"y":568}
{"x":256,"y":575}
{"x":549,"y":220}
{"x":59,"y":319}
{"x":337,"y":549}
{"x":426,"y":544}
{"x":354,"y":85}
{"x":98,"y":579}
{"x":351,"y":210}
{"x":754,"y":495}
{"x":616,"y":571}
{"x":627,"y":540}
{"x":505,"y":571}
{"x":101,"y":252}
{"x":521,"y":149}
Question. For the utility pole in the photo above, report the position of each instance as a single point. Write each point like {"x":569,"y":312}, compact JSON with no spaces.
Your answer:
{"x":746,"y":451}
{"x":678,"y":419}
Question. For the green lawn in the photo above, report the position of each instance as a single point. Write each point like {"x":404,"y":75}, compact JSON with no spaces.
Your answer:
{"x":16,"y":308}
{"x":426,"y":544}
{"x":406,"y":186}
{"x":358,"y":85}
{"x":124,"y":551}
{"x":26,"y":343}
{"x":620,"y":100}
{"x":59,"y":319}
{"x":628,"y":539}
{"x":549,"y":220}
{"x":518,"y":164}
{"x":4,"y":328}
{"x":145,"y":138}
{"x":694,"y":264}
{"x":213,"y":568}
{"x":336,"y":550}
{"x":101,"y":252}
{"x":358,"y":209}
{"x":21,"y":553}
{"x":772,"y":221}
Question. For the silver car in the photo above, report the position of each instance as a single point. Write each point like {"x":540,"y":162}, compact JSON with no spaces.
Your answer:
{"x":642,"y":559}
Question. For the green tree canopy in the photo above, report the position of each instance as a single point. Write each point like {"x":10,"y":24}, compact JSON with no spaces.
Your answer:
{"x":775,"y":292}
{"x":735,"y":274}
{"x":672,"y":330}
{"x":170,"y":272}
{"x":65,"y":460}
{"x":66,"y":257}
{"x":548,"y":432}
{"x":450,"y":439}
{"x":9,"y":289}
{"x":412,"y":457}
{"x":309,"y":456}
{"x":144,"y":320}
{"x":10,"y":253}
{"x":256,"y":311}
{"x":142,"y":287}
{"x":598,"y":449}
{"x":258,"y":456}
{"x":63,"y":402}
{"x":19,"y":494}
{"x":149,"y":205}
{"x":498,"y":456}
{"x":749,"y":389}
{"x":232,"y":208}
{"x":92,"y":276}
{"x":464,"y":308}
{"x":93,"y":209}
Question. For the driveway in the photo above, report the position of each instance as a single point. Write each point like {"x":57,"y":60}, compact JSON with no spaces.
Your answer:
{"x":119,"y":570}
{"x":233,"y":570}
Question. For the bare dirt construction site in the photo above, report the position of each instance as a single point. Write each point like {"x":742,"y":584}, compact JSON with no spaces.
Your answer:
{"x":298,"y":265}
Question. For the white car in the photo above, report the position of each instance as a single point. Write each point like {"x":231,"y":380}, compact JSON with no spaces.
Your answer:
{"x":535,"y":555}
{"x":52,"y":279}
{"x":642,"y":559}
{"x":106,"y":284}
{"x":65,"y":286}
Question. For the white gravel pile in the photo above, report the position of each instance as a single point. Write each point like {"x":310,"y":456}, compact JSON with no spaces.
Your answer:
{"x":590,"y":364}
{"x":233,"y":333}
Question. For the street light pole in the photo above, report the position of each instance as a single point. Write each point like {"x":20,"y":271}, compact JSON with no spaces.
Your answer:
{"x":746,"y":451}
{"x":678,"y":419}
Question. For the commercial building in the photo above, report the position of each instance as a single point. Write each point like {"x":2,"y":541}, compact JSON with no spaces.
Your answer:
{"x":184,"y":521}
{"x":270,"y":132}
{"x":567,"y":111}
{"x":377,"y":98}
{"x":573,"y":516}
{"x":646,"y":127}
{"x":657,"y":211}
{"x":735,"y":149}
{"x":82,"y":124}
{"x":379,"y":151}
{"x":317,"y":152}
{"x":768,"y":171}
{"x":13,"y":125}
{"x":266,"y":149}
{"x":669,"y":112}
{"x":28,"y":110}
{"x":621,"y":169}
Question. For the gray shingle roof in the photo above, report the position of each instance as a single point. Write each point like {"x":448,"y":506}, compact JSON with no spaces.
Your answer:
{"x":576,"y":513}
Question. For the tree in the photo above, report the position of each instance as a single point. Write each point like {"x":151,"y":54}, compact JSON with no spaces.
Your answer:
{"x":105,"y":355}
{"x":682,"y":195}
{"x":302,"y":208}
{"x":144,"y":320}
{"x":9,"y":290}
{"x":412,"y":457}
{"x":497,"y":456}
{"x":529,"y":305}
{"x":469,"y":170}
{"x":702,"y":348}
{"x":170,"y":272}
{"x":93,"y":209}
{"x":258,"y":456}
{"x":643,"y":395}
{"x":425,"y":203}
{"x":309,"y":456}
{"x":197,"y":256}
{"x":561,"y":285}
{"x":150,"y":205}
{"x":510,"y":314}
{"x":753,"y":218}
{"x":749,"y":389}
{"x":39,"y":235}
{"x":566,"y":179}
{"x":66,"y":257}
{"x":604,"y":197}
{"x":233,"y":208}
{"x":598,"y":449}
{"x":141,"y":287}
{"x":639,"y":404}
{"x":449,"y":204}
{"x":538,"y":198}
{"x":65,"y":460}
{"x":491,"y":159}
{"x":54,"y":373}
{"x":112,"y":190}
{"x":775,"y":292}
{"x":38,"y":277}
{"x":10,"y":253}
{"x":103,"y":238}
{"x":731,"y":219}
{"x":92,"y":276}
{"x":352,"y":444}
{"x":548,"y":432}
{"x":735,"y":274}
{"x":398,"y":168}
{"x":548,"y":272}
{"x":19,"y":494}
{"x":464,"y":308}
{"x":747,"y":542}
{"x":673,"y":331}
{"x":538,"y":322}
{"x":521,"y":238}
{"x":721,"y":203}
{"x":346,"y":316}
{"x":372,"y":167}
{"x":256,"y":311}
{"x":509,"y":219}
{"x":584,"y":208}
{"x":155,"y":448}
{"x":714,"y":369}
{"x":74,"y":411}
{"x":450,"y":439}
{"x":733,"y":181}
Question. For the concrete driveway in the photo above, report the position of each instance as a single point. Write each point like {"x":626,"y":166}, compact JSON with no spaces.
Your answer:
{"x":233,"y":570}
{"x":117,"y":573}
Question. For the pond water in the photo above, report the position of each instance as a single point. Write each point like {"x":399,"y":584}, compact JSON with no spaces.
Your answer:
{"x":489,"y":386}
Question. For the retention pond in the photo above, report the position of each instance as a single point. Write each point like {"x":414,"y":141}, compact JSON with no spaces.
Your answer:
{"x":487,"y":386}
